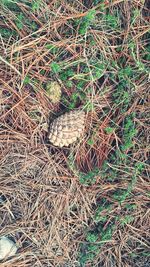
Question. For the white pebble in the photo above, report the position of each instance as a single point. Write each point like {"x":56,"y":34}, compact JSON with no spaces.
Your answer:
{"x":7,"y":248}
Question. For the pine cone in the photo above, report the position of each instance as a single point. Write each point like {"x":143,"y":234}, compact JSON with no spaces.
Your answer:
{"x":67,"y":128}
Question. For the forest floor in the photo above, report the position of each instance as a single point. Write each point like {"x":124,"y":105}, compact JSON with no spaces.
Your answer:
{"x":85,"y":205}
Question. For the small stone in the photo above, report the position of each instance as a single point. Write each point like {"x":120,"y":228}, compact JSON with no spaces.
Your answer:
{"x":7,"y":248}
